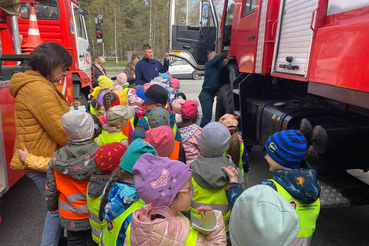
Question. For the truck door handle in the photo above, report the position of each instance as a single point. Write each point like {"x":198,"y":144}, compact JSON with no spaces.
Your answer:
{"x":80,"y":56}
{"x":289,"y":66}
{"x":186,"y":46}
{"x":193,"y":27}
{"x":251,"y":36}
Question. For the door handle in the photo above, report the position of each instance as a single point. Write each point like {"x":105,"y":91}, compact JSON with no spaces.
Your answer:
{"x":80,"y":56}
{"x":251,"y":36}
{"x":193,"y":27}
{"x":186,"y":46}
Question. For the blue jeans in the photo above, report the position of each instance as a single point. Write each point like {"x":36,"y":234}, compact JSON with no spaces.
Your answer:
{"x":206,"y":101}
{"x":52,"y":229}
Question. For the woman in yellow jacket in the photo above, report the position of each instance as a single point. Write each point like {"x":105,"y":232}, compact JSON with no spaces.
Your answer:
{"x":39,"y":106}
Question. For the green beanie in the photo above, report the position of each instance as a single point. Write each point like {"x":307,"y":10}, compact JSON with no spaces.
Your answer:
{"x":134,"y":151}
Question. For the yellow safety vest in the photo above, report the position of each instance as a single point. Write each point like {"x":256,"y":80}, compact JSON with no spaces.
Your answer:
{"x":307,"y":213}
{"x":110,"y":229}
{"x":191,"y":238}
{"x":240,"y":163}
{"x":174,"y":127}
{"x":93,"y":205}
{"x":105,"y":138}
{"x":216,"y":199}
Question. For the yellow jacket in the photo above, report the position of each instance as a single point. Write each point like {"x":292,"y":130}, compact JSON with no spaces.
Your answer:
{"x":39,"y":106}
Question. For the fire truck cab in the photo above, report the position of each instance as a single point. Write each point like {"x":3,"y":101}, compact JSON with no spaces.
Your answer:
{"x":291,"y":64}
{"x":60,"y":21}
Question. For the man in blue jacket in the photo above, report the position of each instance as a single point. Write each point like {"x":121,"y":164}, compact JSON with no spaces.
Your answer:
{"x":147,"y":69}
{"x":210,"y":85}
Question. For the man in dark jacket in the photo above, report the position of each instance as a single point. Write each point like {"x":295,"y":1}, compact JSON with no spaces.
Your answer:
{"x":147,"y":69}
{"x":210,"y":85}
{"x":98,"y":70}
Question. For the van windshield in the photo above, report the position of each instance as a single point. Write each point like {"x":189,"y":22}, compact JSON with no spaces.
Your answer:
{"x":45,"y":10}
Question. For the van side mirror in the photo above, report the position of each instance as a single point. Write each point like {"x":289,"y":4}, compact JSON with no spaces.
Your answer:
{"x":99,"y":33}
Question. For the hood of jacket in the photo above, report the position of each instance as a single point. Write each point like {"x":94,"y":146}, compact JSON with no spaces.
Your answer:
{"x":188,"y":131}
{"x":302,"y":184}
{"x":169,"y":230}
{"x":76,"y":159}
{"x":97,"y":184}
{"x":208,"y":172}
{"x":19,"y":80}
{"x":120,"y":198}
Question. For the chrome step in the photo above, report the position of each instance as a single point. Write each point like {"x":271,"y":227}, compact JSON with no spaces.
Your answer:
{"x":236,"y":91}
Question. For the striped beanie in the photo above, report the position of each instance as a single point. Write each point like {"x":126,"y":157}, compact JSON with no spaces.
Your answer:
{"x":287,"y":148}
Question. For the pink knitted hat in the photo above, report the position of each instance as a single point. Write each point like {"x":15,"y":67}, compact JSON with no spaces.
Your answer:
{"x":159,"y":179}
{"x":177,"y":104}
{"x":122,"y":79}
{"x":174,"y":83}
{"x":162,"y":139}
{"x":188,"y":109}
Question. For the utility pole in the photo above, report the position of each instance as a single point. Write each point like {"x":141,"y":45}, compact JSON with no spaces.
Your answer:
{"x":150,"y":23}
{"x":115,"y":36}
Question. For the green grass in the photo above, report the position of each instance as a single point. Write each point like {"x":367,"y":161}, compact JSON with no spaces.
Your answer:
{"x":112,"y":64}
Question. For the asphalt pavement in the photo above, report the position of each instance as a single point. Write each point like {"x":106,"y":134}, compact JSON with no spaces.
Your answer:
{"x":23,"y":208}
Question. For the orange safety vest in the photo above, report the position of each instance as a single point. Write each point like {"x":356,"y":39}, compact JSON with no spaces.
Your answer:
{"x":175,"y":154}
{"x":72,"y":197}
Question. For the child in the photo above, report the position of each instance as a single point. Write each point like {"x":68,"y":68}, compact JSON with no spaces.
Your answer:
{"x":165,"y":186}
{"x":107,"y":159}
{"x":190,"y":131}
{"x":176,"y":107}
{"x":162,"y":139}
{"x":97,"y":126}
{"x":120,"y":197}
{"x":68,"y":175}
{"x":208,"y":178}
{"x":173,"y":88}
{"x":105,"y":85}
{"x":110,"y":99}
{"x":77,"y":105}
{"x":285,"y":152}
{"x":116,"y":118}
{"x":263,"y":217}
{"x":236,"y":150}
{"x":155,"y":97}
{"x":122,"y":83}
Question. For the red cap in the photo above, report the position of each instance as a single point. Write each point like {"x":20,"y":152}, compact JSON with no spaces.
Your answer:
{"x":188,"y":109}
{"x":107,"y":157}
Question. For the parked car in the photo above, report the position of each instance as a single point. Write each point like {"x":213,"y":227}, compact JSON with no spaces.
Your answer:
{"x":179,"y":68}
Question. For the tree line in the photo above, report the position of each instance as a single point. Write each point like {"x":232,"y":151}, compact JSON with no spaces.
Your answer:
{"x":126,"y":26}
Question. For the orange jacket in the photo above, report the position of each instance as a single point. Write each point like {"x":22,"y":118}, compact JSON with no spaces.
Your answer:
{"x":39,"y":106}
{"x":175,"y":154}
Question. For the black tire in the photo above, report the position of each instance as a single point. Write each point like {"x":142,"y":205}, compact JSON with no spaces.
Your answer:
{"x":224,"y":102}
{"x":194,"y":75}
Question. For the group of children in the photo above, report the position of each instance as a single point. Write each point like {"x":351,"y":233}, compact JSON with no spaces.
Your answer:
{"x":142,"y":172}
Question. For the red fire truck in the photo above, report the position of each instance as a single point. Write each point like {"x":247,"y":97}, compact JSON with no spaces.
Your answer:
{"x":291,"y":64}
{"x":61,"y":21}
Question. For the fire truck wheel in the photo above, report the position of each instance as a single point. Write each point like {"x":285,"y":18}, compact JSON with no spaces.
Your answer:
{"x":224,"y":102}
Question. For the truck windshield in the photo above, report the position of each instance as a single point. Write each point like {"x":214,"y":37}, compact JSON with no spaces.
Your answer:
{"x":45,"y":10}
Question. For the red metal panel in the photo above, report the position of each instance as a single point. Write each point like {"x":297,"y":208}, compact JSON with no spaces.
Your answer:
{"x":341,"y":51}
{"x":243,"y":47}
{"x":8,"y":124}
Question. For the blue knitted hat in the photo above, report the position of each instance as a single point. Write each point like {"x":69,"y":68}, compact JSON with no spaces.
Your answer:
{"x":287,"y":147}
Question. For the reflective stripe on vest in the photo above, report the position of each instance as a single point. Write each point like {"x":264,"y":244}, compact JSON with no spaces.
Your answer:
{"x":110,"y":229}
{"x":191,"y":238}
{"x":126,"y":89}
{"x":72,"y":201}
{"x":308,"y":213}
{"x":105,"y":138}
{"x":93,"y":204}
{"x":216,"y":199}
{"x":174,"y":127}
{"x":175,"y":154}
